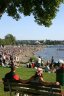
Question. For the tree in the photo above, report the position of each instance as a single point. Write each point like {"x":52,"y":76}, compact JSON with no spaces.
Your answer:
{"x":2,"y":42}
{"x":10,"y":39}
{"x":43,"y":10}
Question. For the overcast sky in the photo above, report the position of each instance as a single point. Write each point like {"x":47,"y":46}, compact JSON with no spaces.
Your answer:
{"x":27,"y":29}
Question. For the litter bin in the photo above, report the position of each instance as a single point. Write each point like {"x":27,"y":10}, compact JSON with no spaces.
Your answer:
{"x":60,"y":75}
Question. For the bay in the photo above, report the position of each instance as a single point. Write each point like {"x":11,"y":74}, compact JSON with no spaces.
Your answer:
{"x":57,"y":51}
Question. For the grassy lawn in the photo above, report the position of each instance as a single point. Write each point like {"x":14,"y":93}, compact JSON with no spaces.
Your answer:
{"x":25,"y":73}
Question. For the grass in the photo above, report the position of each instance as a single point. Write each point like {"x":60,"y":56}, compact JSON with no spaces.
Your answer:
{"x":25,"y":73}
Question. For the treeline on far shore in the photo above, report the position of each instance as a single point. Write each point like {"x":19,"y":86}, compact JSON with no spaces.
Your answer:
{"x":9,"y":39}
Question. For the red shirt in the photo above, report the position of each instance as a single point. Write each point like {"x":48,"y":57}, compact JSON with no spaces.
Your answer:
{"x":16,"y":77}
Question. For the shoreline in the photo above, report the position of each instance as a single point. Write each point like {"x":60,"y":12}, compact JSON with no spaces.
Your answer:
{"x":29,"y":51}
{"x":22,"y":53}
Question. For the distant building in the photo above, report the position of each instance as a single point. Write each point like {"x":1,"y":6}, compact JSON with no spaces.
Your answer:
{"x":37,"y":42}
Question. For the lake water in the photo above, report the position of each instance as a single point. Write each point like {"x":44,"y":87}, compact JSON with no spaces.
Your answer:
{"x":56,"y":51}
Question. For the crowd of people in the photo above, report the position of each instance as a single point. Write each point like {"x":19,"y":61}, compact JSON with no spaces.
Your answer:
{"x":35,"y":64}
{"x":36,"y":78}
{"x":49,"y":66}
{"x":6,"y":59}
{"x":53,"y":66}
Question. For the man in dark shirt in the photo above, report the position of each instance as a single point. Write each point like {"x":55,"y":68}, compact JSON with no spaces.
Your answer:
{"x":12,"y":75}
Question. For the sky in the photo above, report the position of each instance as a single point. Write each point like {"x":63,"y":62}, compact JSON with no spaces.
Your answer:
{"x":27,"y":29}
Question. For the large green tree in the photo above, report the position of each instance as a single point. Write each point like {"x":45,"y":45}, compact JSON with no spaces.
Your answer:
{"x":10,"y":39}
{"x":43,"y":10}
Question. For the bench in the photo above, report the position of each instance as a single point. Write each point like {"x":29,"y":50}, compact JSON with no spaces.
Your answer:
{"x":32,"y":89}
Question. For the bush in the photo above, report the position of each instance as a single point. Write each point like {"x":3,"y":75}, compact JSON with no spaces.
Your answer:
{"x":33,"y":59}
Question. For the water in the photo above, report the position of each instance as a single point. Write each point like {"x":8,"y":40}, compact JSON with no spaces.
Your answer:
{"x":56,"y":51}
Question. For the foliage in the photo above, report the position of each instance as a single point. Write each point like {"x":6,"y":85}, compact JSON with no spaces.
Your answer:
{"x":28,"y":42}
{"x":1,"y":41}
{"x":43,"y":10}
{"x":10,"y":39}
{"x":33,"y":58}
{"x":42,"y":42}
{"x":54,"y":42}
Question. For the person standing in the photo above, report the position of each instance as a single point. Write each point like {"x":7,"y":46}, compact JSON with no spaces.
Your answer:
{"x":52,"y":62}
{"x":0,"y":59}
{"x":39,"y":61}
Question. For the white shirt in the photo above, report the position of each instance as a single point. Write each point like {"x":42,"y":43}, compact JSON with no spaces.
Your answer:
{"x":39,"y":60}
